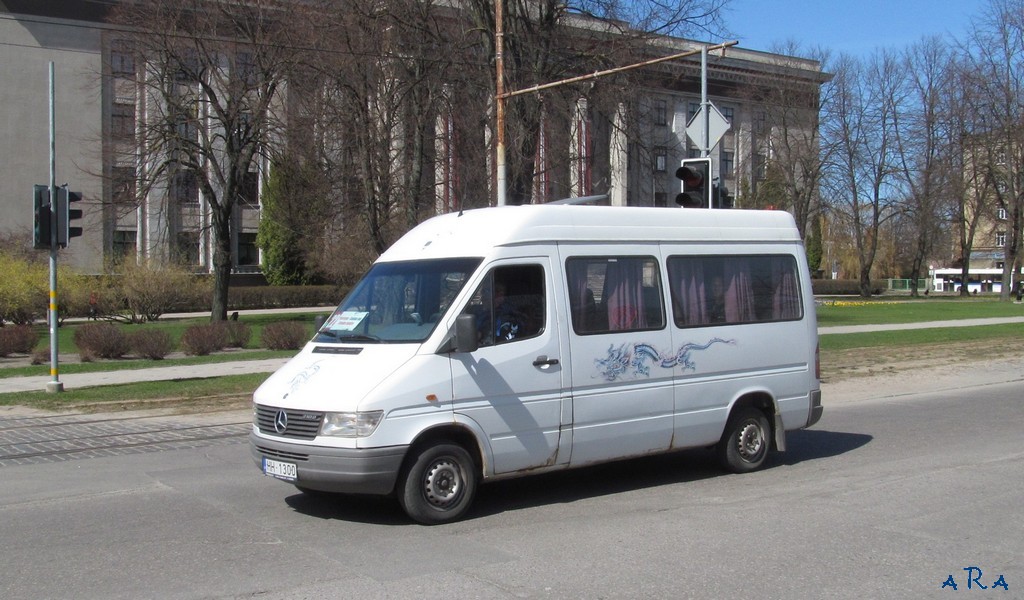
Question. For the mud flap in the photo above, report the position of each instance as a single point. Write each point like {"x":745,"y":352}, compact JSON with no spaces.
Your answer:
{"x":780,"y":433}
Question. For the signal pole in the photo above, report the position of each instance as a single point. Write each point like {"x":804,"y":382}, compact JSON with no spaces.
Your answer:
{"x":55,"y":385}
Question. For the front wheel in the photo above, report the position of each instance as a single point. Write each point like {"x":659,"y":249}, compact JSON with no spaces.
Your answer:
{"x":744,"y":445}
{"x":439,"y":484}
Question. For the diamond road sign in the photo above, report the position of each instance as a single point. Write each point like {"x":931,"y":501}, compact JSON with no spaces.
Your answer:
{"x":717,"y":126}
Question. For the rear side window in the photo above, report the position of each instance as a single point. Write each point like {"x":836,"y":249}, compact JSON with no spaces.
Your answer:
{"x":716,"y":290}
{"x":618,"y":293}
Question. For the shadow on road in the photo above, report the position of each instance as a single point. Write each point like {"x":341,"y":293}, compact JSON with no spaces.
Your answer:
{"x":561,"y":487}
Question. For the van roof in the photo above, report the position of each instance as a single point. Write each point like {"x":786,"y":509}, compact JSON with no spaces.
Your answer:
{"x":476,"y":232}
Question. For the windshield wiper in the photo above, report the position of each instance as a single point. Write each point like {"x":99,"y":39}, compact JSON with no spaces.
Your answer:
{"x":352,"y":337}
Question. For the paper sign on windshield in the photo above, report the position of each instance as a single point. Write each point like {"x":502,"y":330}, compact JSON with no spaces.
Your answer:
{"x":346,"y":321}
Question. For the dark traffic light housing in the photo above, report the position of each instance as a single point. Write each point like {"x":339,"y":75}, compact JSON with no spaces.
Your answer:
{"x":67,"y":215}
{"x":695,"y":183}
{"x":41,"y":215}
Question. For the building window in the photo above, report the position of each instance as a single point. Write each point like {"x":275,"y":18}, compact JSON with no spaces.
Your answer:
{"x":248,"y":253}
{"x":761,"y":167}
{"x":249,"y":192}
{"x":1000,"y":238}
{"x":186,"y":250}
{"x":122,"y":120}
{"x":660,"y":160}
{"x":692,"y":109}
{"x":188,"y":68}
{"x":693,"y":153}
{"x":122,"y":185}
{"x":728,"y":112}
{"x":660,"y":112}
{"x":726,"y":163}
{"x":185,"y":188}
{"x":1001,"y":214}
{"x":246,"y":69}
{"x":122,"y":60}
{"x":660,"y":199}
{"x":124,"y":244}
{"x":760,"y":119}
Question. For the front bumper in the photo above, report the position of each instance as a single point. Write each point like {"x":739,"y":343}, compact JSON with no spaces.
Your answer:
{"x":343,"y":470}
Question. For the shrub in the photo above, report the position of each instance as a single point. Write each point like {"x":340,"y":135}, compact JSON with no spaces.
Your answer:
{"x":201,"y":340}
{"x":150,"y":291}
{"x":40,"y":356}
{"x":154,"y":344}
{"x":23,"y":295}
{"x":103,"y":340}
{"x":18,"y":339}
{"x":285,"y":335}
{"x":290,"y":296}
{"x":237,"y":333}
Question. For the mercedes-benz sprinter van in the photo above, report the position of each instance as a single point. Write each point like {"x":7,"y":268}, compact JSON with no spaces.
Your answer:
{"x":501,"y":342}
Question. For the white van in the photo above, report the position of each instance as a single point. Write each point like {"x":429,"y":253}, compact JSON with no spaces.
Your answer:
{"x":500,"y":342}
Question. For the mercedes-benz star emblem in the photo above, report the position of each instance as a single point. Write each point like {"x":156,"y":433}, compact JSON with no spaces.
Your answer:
{"x":281,"y":421}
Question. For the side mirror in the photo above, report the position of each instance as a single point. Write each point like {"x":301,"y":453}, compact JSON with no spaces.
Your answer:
{"x":465,"y":334}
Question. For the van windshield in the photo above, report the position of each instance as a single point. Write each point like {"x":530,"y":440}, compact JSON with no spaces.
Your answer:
{"x":398,"y":302}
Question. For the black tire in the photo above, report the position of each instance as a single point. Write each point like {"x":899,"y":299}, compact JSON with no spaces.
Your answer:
{"x":438,"y":484}
{"x":745,"y":442}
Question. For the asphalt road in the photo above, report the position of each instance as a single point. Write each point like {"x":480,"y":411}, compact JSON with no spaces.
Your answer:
{"x":905,"y":482}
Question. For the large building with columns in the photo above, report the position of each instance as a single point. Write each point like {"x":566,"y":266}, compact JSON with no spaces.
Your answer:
{"x":629,"y":153}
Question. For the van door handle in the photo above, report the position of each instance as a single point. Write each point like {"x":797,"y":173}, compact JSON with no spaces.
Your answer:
{"x":543,"y":361}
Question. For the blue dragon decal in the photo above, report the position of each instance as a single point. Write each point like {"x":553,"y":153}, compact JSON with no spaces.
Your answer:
{"x":301,"y":378}
{"x":637,"y":359}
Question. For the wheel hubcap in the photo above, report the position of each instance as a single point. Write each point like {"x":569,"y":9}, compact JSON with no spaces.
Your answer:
{"x":443,"y":483}
{"x":751,"y":440}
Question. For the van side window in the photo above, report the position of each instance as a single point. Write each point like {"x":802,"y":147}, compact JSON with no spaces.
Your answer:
{"x":714,"y":290}
{"x":614,"y":294}
{"x":509,"y":304}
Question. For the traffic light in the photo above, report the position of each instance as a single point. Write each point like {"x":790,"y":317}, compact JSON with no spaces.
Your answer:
{"x":66,"y":215}
{"x":41,"y":217}
{"x":695,"y":176}
{"x":720,"y":197}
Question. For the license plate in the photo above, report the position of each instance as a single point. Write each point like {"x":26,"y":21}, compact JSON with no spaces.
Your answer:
{"x":281,"y":470}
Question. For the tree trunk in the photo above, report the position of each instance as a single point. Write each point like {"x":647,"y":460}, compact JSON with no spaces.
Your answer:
{"x":221,"y":265}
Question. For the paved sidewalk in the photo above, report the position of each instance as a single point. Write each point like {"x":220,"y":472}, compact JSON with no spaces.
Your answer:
{"x":922,"y":325}
{"x":80,"y":380}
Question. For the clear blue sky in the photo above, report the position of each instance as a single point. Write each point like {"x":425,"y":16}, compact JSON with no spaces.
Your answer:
{"x":855,"y":27}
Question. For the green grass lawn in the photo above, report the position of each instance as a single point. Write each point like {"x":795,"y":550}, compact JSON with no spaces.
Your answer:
{"x":916,"y":337}
{"x":129,"y":395}
{"x":877,"y":312}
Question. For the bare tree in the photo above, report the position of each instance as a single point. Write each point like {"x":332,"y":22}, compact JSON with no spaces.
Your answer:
{"x":919,"y":130}
{"x":791,"y":106}
{"x":995,"y":71}
{"x":210,"y":77}
{"x":861,"y":121}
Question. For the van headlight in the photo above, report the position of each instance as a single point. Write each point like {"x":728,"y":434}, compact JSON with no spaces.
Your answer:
{"x":351,"y":424}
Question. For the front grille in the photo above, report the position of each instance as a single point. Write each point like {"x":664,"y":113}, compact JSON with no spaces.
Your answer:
{"x":298,"y":424}
{"x":272,"y":453}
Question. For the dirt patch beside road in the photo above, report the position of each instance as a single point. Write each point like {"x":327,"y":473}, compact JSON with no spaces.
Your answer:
{"x":842,"y":365}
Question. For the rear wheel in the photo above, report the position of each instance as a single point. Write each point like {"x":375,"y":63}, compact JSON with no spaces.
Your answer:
{"x":438,"y":485}
{"x":744,"y":445}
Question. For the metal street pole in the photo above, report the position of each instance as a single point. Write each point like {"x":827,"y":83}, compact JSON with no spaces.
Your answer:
{"x":55,"y":385}
{"x":705,"y":149}
{"x":499,"y":99}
